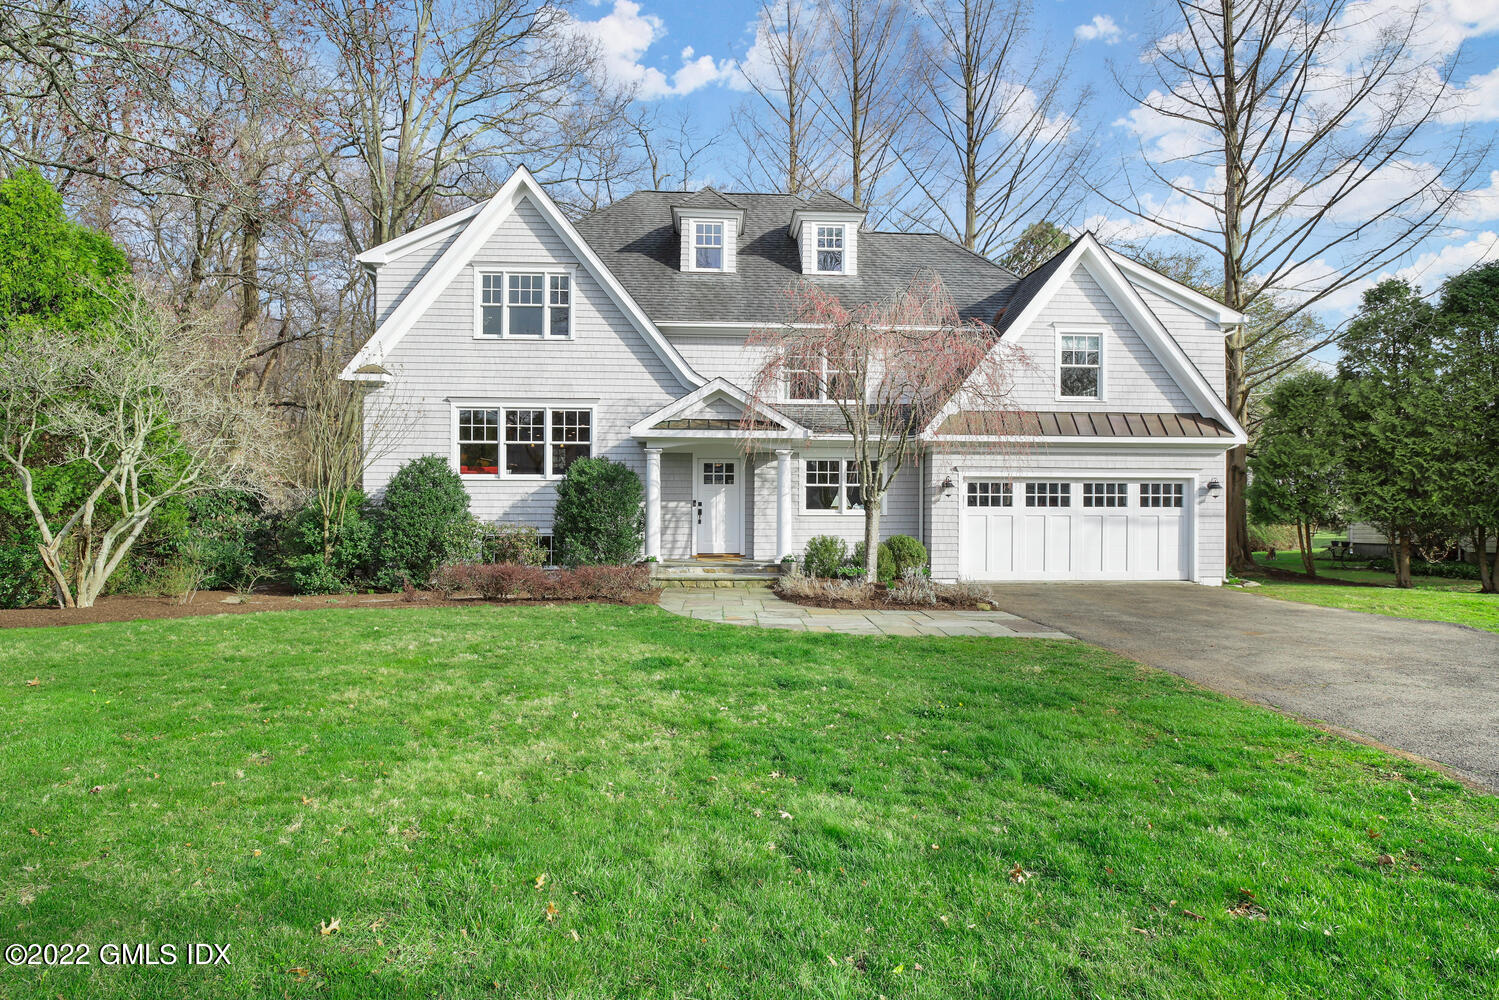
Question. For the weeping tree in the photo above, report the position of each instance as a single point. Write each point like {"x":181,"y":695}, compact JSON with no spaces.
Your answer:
{"x":1304,"y":143}
{"x":888,"y":367}
{"x":145,"y":408}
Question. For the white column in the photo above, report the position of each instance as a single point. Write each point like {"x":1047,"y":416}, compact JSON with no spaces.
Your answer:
{"x":783,"y":502}
{"x":653,"y":503}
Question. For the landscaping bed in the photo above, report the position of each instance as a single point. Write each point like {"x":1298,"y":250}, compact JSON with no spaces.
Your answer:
{"x":814,"y":592}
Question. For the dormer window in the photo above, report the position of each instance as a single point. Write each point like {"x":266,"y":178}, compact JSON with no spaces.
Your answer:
{"x":707,"y":245}
{"x":830,"y":249}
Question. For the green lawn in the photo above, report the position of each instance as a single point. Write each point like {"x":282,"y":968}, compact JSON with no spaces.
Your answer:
{"x":704,"y":811}
{"x":1432,"y":598}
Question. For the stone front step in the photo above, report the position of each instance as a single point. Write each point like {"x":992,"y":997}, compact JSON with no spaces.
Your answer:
{"x":715,"y":573}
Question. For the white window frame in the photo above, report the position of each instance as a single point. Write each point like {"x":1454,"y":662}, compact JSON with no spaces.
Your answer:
{"x":1105,"y":494}
{"x":548,"y":407}
{"x":700,"y":229}
{"x":847,"y":466}
{"x":1088,"y":331}
{"x":547,"y":276}
{"x":824,"y":377}
{"x":996,"y":493}
{"x":817,"y":247}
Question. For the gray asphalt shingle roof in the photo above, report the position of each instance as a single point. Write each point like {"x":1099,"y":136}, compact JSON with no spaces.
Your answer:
{"x":635,"y":240}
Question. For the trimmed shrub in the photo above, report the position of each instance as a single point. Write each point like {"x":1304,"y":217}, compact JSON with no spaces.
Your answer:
{"x":501,"y":581}
{"x":823,"y":555}
{"x":230,"y":538}
{"x":611,"y":582}
{"x":600,"y":520}
{"x":906,"y":553}
{"x":512,"y":543}
{"x":884,"y":565}
{"x":1264,"y":537}
{"x":423,"y":522}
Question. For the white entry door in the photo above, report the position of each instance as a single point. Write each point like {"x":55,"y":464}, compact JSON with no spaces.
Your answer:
{"x":720,"y":506}
{"x":1075,"y":530}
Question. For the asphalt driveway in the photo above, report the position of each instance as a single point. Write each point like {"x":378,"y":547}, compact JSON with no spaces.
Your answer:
{"x":1426,"y":687}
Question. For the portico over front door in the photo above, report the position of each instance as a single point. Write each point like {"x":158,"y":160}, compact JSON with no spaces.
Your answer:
{"x":718,"y":489}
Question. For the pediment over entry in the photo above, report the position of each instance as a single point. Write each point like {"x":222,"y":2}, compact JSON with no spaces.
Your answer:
{"x":717,"y":410}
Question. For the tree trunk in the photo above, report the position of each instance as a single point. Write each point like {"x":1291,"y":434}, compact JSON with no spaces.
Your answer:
{"x":1236,"y":473}
{"x":52,"y":563}
{"x":871,"y":539}
{"x":1403,"y":560}
{"x":1486,"y":572}
{"x":1304,"y":539}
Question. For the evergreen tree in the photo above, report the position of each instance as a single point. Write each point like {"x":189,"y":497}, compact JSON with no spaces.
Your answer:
{"x":1297,"y":470}
{"x":1392,"y":406}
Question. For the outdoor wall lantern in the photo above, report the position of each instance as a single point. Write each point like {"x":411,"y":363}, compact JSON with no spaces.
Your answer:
{"x":947,"y":484}
{"x":1215,"y":488}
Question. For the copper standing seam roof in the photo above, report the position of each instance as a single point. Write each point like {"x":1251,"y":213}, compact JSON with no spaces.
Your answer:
{"x":1064,"y":424}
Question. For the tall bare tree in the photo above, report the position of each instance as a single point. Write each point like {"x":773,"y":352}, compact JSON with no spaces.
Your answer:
{"x":865,"y":87}
{"x":781,"y":128}
{"x":1001,"y":141}
{"x":1300,"y":151}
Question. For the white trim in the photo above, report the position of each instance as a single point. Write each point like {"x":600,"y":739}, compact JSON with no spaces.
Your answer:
{"x":843,"y":247}
{"x":717,"y":386}
{"x":844,"y":460}
{"x":1060,"y":330}
{"x":724,"y":235}
{"x":546,"y":406}
{"x":407,"y":243}
{"x":848,"y":217}
{"x":547,"y":274}
{"x":1087,"y":252}
{"x":480,"y":228}
{"x":1185,"y":296}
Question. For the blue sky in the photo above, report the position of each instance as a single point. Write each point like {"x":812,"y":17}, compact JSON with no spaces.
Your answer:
{"x":688,"y":56}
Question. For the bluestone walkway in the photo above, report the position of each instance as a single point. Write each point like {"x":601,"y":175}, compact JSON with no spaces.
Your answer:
{"x":759,"y":606}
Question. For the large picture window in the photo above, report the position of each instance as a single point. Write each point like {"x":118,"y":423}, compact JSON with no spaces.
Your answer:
{"x":1079,"y":366}
{"x":832,"y":485}
{"x":531,"y":305}
{"x":522,"y":442}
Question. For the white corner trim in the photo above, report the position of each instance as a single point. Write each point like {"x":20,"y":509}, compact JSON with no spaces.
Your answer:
{"x":1185,"y":296}
{"x":480,"y":228}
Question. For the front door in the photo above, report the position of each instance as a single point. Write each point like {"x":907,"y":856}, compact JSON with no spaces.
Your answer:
{"x":720,"y":506}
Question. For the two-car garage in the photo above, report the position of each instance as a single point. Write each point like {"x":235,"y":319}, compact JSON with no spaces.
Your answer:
{"x":1075,"y":529}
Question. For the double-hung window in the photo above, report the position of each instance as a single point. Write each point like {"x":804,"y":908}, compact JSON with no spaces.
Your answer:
{"x":830,"y":249}
{"x":1079,"y":366}
{"x":531,"y":304}
{"x":815,"y":377}
{"x":522,"y":442}
{"x":833,"y":485}
{"x":707,"y":246}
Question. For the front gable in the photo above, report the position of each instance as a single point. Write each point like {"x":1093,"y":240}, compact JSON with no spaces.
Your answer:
{"x":520,"y":225}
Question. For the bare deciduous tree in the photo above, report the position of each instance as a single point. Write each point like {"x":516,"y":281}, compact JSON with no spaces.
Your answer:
{"x":889,"y":367}
{"x":1300,"y":155}
{"x":782,"y":129}
{"x":1000,"y":142}
{"x":147,"y":406}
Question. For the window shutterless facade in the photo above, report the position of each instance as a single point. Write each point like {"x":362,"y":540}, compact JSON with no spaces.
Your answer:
{"x":1080,"y":366}
{"x":522,"y":442}
{"x":525,"y":305}
{"x":707,"y":246}
{"x":831,"y":485}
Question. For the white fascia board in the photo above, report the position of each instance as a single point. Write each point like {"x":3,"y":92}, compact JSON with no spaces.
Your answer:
{"x":1185,"y":296}
{"x":852,"y":217}
{"x":479,"y":229}
{"x":715,"y":387}
{"x":1131,"y":444}
{"x":416,"y":239}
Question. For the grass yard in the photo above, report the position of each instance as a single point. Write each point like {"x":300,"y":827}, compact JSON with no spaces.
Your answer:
{"x":599,"y":801}
{"x":1432,"y":598}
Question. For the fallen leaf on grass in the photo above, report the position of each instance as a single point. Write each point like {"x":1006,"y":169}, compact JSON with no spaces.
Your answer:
{"x":574,"y":933}
{"x":300,"y":972}
{"x":1384,"y":859}
{"x":1019,"y":874}
{"x":1188,"y":913}
{"x":552,"y":911}
{"x":330,"y":927}
{"x":541,"y":880}
{"x":34,"y":682}
{"x":1248,"y":908}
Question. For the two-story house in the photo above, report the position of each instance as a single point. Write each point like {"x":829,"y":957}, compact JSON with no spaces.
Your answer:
{"x":514,"y":341}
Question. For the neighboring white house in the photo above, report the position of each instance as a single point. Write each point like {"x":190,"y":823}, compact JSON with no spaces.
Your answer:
{"x":514,"y":341}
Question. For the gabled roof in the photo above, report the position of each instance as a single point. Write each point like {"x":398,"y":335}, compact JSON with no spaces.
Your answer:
{"x":1185,"y":296}
{"x":480,"y":225}
{"x":635,"y":238}
{"x":1036,"y":291}
{"x":709,"y":202}
{"x":708,"y":197}
{"x":827,"y":201}
{"x":665,"y":421}
{"x":417,"y":238}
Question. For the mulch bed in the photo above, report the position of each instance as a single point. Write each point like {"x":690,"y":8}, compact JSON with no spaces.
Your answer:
{"x":125,"y":608}
{"x":880,"y":603}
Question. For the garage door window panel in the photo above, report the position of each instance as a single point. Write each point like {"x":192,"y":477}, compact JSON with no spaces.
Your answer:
{"x":990,"y":493}
{"x":1158,"y":495}
{"x":1105,"y":494}
{"x":1048,"y":494}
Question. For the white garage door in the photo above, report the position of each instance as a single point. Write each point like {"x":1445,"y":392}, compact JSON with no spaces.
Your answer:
{"x":1075,"y":530}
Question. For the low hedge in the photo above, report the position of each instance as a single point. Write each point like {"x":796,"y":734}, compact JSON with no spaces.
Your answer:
{"x":505,"y":581}
{"x":1445,"y":570}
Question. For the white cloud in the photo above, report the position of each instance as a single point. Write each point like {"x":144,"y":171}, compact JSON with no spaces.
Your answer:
{"x":623,"y":37}
{"x":1101,"y":29}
